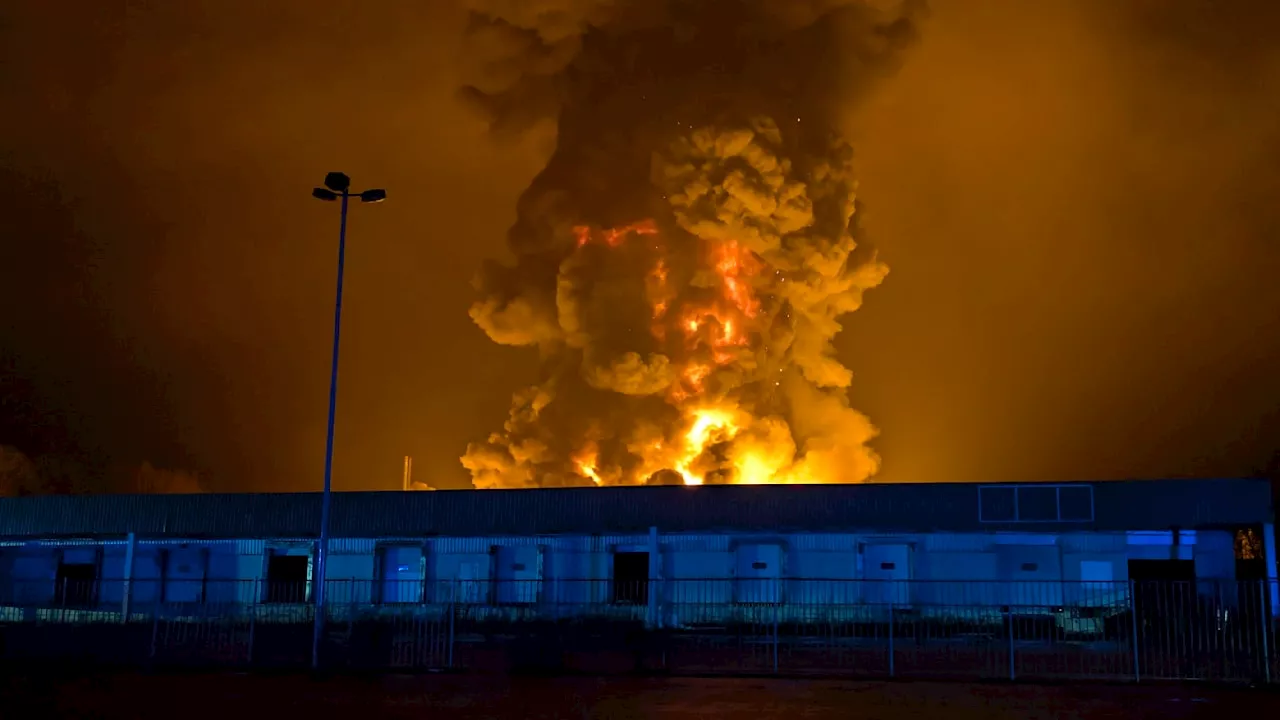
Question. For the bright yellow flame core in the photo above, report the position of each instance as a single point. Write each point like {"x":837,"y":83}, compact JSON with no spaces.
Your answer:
{"x":705,"y":422}
{"x":586,"y":462}
{"x":762,"y":455}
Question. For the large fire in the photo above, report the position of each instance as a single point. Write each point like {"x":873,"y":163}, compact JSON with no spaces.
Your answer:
{"x":684,"y":257}
{"x":709,"y":335}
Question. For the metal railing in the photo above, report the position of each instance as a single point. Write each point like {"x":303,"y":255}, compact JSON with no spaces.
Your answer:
{"x":1119,"y":631}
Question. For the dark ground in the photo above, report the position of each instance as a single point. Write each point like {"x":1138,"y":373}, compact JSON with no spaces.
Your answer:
{"x":300,"y":697}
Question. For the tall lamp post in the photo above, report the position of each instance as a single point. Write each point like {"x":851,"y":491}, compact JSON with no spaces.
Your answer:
{"x":337,"y":186}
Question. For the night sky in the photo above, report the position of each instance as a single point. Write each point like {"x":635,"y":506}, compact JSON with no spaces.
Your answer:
{"x":1079,"y":202}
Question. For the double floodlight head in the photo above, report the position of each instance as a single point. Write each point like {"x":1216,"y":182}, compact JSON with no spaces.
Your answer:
{"x":337,"y":182}
{"x":337,"y":185}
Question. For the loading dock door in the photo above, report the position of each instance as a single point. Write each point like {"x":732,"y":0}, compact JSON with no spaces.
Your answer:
{"x":184,"y":574}
{"x":34,"y":572}
{"x":401,"y":574}
{"x":887,"y":570}
{"x":473,"y":584}
{"x":1033,"y":574}
{"x":518,"y":572}
{"x":759,"y":574}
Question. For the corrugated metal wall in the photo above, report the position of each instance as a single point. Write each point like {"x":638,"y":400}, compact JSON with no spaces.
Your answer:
{"x":702,"y":568}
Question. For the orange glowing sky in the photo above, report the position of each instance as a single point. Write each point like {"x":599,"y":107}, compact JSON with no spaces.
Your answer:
{"x":1078,"y":201}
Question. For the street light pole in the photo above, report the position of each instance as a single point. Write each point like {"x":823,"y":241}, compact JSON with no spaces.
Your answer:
{"x":337,"y":186}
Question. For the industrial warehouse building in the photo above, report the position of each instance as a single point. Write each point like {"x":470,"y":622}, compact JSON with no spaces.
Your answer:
{"x":669,"y":555}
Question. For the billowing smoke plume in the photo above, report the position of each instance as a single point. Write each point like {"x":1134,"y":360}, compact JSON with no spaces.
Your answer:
{"x":683,"y":260}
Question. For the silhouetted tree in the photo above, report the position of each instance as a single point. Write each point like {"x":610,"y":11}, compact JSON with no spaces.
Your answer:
{"x":27,"y":419}
{"x":151,"y":480}
{"x":62,"y":475}
{"x":18,"y":474}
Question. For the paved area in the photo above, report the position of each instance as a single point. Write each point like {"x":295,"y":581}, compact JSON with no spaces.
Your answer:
{"x":241,"y":697}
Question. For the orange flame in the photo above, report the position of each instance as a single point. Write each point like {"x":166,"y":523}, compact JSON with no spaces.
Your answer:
{"x":696,"y":373}
{"x":733,"y":263}
{"x":714,"y":333}
{"x":613,"y":237}
{"x":659,"y":295}
{"x":586,"y":462}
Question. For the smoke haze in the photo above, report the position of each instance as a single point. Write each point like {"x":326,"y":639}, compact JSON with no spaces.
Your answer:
{"x":1076,"y":199}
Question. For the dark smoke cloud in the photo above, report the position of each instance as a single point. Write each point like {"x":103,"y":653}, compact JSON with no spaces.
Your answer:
{"x":714,"y":126}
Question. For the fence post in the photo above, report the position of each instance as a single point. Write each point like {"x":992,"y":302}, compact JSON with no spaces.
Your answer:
{"x":127,"y":593}
{"x":453,"y":599}
{"x":775,"y":638}
{"x":1013,"y":673}
{"x":1265,"y":618}
{"x":654,"y":570}
{"x":891,"y":650}
{"x":155,"y":627}
{"x":1133,"y":631}
{"x":253,"y":616}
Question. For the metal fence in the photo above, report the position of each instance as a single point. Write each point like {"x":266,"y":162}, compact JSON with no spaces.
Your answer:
{"x":1010,"y":630}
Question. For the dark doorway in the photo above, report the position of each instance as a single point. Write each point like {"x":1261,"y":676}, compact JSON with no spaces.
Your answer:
{"x":77,"y":584}
{"x":1251,"y":570}
{"x":1252,"y":596}
{"x":287,"y":578}
{"x":1162,"y":570}
{"x":1165,"y":598}
{"x":631,"y":578}
{"x":1163,"y":588}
